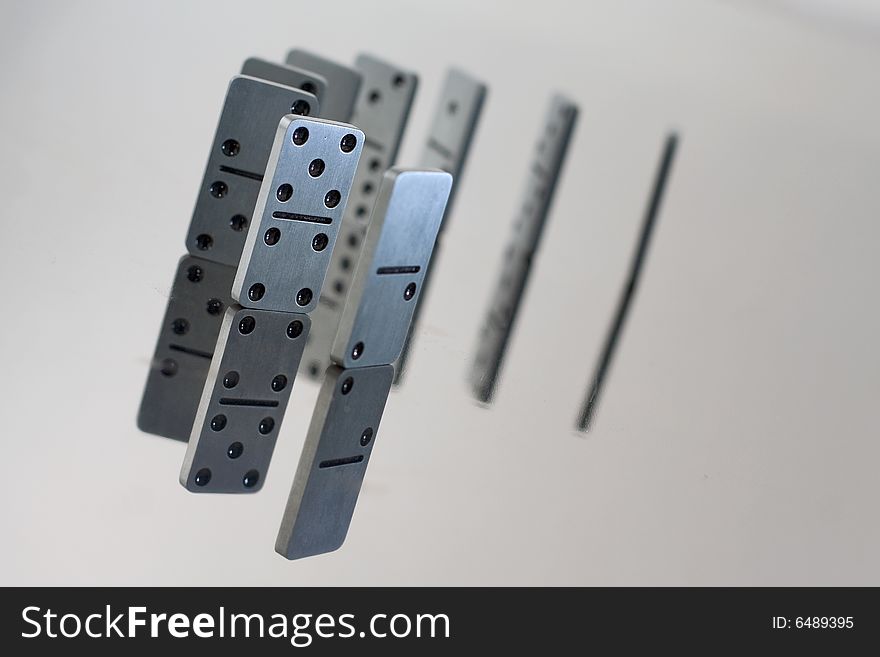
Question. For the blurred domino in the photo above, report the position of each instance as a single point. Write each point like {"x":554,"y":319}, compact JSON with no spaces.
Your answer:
{"x":538,"y":192}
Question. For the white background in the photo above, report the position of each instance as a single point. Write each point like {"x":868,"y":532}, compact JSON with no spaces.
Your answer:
{"x":736,"y":442}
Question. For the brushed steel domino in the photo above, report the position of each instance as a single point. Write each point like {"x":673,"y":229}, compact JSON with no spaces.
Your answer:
{"x":343,"y":83}
{"x":392,"y":268}
{"x":243,"y":403}
{"x":236,"y":164}
{"x":289,"y":76}
{"x":289,"y":269}
{"x":325,"y":490}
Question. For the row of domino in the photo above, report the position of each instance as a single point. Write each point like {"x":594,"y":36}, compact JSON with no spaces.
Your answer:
{"x":233,"y":337}
{"x":379,"y":96}
{"x":224,"y":381}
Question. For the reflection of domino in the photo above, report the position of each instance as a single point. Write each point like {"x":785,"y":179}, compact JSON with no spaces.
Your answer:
{"x":224,"y":208}
{"x":381,"y":112}
{"x":387,"y":284}
{"x":449,"y":141}
{"x":300,"y":205}
{"x":537,"y":197}
{"x":183,"y":353}
{"x":343,"y":83}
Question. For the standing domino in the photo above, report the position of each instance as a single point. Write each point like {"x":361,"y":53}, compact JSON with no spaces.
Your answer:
{"x":390,"y":273}
{"x":289,"y":76}
{"x":343,"y":83}
{"x":538,"y":192}
{"x":286,"y":257}
{"x":238,"y":160}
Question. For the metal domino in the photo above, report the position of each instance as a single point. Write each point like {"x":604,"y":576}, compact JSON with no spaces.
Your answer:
{"x":537,"y":197}
{"x":198,"y":300}
{"x":345,"y":422}
{"x":236,"y":164}
{"x":217,"y":231}
{"x":289,"y":76}
{"x":300,"y":208}
{"x":334,"y":460}
{"x":452,"y":130}
{"x":343,"y":83}
{"x":382,"y":110}
{"x":391,"y":271}
{"x":260,"y":346}
{"x":243,"y":404}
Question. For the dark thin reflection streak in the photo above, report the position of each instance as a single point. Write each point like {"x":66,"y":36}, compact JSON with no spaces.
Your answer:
{"x":585,"y":420}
